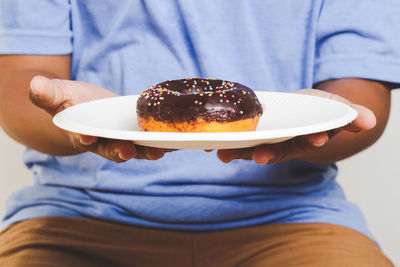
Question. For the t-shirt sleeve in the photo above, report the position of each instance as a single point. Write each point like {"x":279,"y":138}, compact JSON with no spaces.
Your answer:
{"x":40,"y":27}
{"x":358,"y":39}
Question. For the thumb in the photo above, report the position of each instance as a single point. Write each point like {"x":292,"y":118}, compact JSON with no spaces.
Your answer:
{"x":365,"y":120}
{"x":47,"y":94}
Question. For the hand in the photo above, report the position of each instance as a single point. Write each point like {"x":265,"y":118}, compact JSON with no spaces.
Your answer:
{"x":55,"y":95}
{"x":301,"y":146}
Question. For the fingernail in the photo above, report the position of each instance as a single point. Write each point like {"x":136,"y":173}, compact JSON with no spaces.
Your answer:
{"x":319,"y":143}
{"x":154,"y":156}
{"x":121,"y":156}
{"x":83,"y":142}
{"x":264,"y":162}
{"x":262,"y":155}
{"x":32,"y":86}
{"x":151,"y":157}
{"x":227,"y":161}
{"x":35,"y":94}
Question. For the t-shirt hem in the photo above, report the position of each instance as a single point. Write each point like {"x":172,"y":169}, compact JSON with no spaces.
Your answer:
{"x":26,"y":215}
{"x":35,"y":45}
{"x":360,"y":67}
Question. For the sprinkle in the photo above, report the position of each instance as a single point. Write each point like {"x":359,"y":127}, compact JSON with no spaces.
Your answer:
{"x":241,"y":112}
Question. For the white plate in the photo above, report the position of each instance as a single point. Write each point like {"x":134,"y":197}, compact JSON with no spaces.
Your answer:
{"x":286,"y":115}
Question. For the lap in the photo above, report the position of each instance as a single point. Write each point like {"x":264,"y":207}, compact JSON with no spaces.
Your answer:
{"x":59,"y":241}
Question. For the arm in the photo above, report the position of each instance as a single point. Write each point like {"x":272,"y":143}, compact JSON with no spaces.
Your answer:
{"x":327,"y":147}
{"x":19,"y":118}
{"x":370,"y":94}
{"x":27,"y":106}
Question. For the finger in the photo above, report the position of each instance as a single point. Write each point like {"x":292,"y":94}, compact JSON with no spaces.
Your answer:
{"x":365,"y":120}
{"x":115,"y":150}
{"x":290,"y":149}
{"x":126,"y":150}
{"x":80,"y":144}
{"x":154,"y":153}
{"x":151,"y":153}
{"x":140,"y":152}
{"x":317,"y":139}
{"x":227,"y":155}
{"x":47,"y":94}
{"x":87,"y":140}
{"x":263,"y":155}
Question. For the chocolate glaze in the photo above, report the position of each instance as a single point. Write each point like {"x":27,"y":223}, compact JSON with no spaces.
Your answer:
{"x":187,"y":100}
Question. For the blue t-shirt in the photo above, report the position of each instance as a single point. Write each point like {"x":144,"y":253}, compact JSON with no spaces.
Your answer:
{"x":127,"y":45}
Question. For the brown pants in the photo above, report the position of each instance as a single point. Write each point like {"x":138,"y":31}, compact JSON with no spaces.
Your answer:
{"x":58,"y":241}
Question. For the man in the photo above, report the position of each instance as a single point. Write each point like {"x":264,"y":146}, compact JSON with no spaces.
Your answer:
{"x":283,"y":197}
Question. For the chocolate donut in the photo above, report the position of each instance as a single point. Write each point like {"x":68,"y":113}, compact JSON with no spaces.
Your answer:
{"x":198,"y":105}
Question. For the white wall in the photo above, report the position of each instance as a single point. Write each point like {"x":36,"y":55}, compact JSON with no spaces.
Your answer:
{"x":13,"y":174}
{"x":370,"y":179}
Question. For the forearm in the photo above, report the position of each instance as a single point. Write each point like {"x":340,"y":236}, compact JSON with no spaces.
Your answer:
{"x":25,"y":122}
{"x":371,"y":94}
